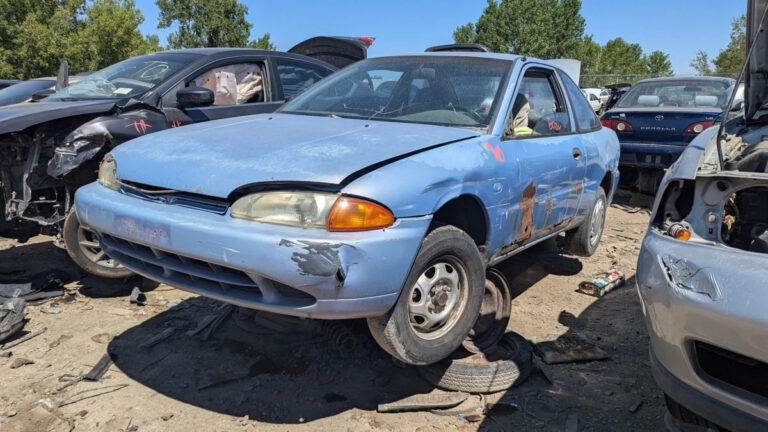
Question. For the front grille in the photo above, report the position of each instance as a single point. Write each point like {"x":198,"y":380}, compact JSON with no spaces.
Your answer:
{"x":731,"y":368}
{"x":170,"y":197}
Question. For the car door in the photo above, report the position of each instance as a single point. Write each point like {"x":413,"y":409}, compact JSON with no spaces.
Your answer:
{"x":294,"y":76}
{"x":540,"y":133}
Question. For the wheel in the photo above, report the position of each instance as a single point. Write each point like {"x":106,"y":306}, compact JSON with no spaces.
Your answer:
{"x":84,"y":249}
{"x":439,"y":302}
{"x":507,"y":364}
{"x":583,"y":241}
{"x":493,"y":318}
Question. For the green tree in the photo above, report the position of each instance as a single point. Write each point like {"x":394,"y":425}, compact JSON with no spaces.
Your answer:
{"x":657,"y":63}
{"x":731,"y":59}
{"x":36,"y":35}
{"x":262,"y":43}
{"x":207,"y":23}
{"x":589,"y":53}
{"x":701,"y":63}
{"x":537,"y":28}
{"x":621,"y":57}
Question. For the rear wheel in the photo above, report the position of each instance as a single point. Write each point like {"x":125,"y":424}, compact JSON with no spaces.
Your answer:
{"x":84,"y":249}
{"x":583,"y":241}
{"x":439,"y":303}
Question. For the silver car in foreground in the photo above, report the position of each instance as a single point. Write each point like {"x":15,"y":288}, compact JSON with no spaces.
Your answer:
{"x":703,"y":270}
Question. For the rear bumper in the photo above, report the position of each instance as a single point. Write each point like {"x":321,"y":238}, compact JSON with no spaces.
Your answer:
{"x":644,"y":155}
{"x":288,"y":270}
{"x":695,"y":294}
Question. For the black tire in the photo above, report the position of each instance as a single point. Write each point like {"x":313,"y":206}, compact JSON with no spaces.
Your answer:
{"x":505,"y":366}
{"x":582,"y":241}
{"x":86,"y":257}
{"x":448,"y":247}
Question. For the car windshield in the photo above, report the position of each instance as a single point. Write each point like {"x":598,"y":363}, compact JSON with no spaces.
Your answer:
{"x":677,"y":93}
{"x":451,"y":91}
{"x":22,"y":91}
{"x":127,"y":79}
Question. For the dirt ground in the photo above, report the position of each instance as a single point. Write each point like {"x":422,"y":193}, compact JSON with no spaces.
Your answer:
{"x":256,"y":374}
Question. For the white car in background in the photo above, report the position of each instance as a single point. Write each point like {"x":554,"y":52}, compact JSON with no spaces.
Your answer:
{"x":594,"y":100}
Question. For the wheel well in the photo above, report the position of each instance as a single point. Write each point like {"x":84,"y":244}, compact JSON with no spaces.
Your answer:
{"x":467,"y":214}
{"x":607,"y":183}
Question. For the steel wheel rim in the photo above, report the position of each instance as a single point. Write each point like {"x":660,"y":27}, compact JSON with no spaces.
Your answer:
{"x":90,"y":247}
{"x":598,"y":218}
{"x":438,"y":299}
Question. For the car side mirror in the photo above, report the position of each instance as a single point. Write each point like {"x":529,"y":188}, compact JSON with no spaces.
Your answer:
{"x":195,"y":97}
{"x":42,"y":94}
{"x":737,"y":106}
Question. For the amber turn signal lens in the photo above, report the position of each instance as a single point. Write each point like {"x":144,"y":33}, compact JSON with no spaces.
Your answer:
{"x":680,"y":232}
{"x":352,"y":214}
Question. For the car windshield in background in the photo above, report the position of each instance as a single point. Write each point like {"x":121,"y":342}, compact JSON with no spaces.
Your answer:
{"x":677,"y":93}
{"x":127,"y":79}
{"x":451,"y":91}
{"x":22,"y":91}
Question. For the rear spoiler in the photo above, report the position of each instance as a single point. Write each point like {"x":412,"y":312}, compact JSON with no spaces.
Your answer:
{"x":459,"y":47}
{"x":339,"y":51}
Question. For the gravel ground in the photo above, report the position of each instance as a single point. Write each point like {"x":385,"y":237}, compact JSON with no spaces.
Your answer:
{"x":304,"y":375}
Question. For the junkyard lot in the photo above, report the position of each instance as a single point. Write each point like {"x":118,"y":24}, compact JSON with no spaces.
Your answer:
{"x":300,"y":379}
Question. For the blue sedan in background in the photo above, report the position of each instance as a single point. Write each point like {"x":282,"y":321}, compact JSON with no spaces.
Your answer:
{"x":657,"y":119}
{"x":382,"y":192}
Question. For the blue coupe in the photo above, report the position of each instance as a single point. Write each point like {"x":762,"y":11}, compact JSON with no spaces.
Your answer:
{"x":382,"y":192}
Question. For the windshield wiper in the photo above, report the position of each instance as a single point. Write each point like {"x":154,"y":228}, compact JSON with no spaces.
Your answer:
{"x":742,"y":74}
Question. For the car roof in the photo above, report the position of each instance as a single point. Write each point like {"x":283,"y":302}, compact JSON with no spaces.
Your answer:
{"x":689,"y":78}
{"x":216,"y":53}
{"x":496,"y":56}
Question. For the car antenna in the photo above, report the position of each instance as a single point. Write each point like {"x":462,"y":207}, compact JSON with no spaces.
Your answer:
{"x":732,"y":98}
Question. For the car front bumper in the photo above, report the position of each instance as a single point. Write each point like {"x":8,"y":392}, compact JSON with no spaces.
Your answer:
{"x":696,"y":295}
{"x":288,"y":270}
{"x":647,"y":155}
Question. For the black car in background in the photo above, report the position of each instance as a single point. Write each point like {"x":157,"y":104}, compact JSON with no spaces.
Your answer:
{"x":50,"y":148}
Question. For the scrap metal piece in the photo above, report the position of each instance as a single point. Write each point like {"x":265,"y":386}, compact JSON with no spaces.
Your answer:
{"x":11,"y":317}
{"x":98,"y":371}
{"x":22,"y":339}
{"x":424,"y":402}
{"x":569,"y":349}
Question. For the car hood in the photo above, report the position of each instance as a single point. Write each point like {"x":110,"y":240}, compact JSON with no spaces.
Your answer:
{"x":216,"y":158}
{"x":14,"y":118}
{"x":756,"y":79}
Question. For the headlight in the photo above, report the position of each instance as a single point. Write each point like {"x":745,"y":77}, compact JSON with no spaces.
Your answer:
{"x":107,"y":173}
{"x":313,"y":210}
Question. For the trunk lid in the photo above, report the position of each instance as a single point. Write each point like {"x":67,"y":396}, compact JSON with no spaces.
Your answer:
{"x":756,"y":78}
{"x":667,"y":127}
{"x":339,"y":51}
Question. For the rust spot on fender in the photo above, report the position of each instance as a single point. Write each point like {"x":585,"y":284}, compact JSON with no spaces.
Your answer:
{"x":550,"y":201}
{"x":577,"y":187}
{"x":526,"y":208}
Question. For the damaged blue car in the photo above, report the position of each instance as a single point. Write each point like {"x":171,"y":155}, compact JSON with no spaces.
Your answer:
{"x":382,"y":192}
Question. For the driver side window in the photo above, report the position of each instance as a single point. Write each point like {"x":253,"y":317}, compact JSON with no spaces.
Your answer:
{"x":538,"y":108}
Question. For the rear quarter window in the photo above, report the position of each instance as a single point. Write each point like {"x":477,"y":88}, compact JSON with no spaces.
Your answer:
{"x":586,"y":120}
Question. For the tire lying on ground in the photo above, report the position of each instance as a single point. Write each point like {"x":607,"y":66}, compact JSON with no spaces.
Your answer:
{"x":504,"y":366}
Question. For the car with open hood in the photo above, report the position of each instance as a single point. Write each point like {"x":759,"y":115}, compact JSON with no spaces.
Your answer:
{"x":51,"y":147}
{"x":382,"y":192}
{"x":657,"y":118}
{"x":703,"y":264}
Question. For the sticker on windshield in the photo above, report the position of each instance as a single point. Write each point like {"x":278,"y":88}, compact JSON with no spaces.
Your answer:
{"x":123,"y":90}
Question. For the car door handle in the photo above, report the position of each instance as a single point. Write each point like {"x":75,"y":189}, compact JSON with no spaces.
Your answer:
{"x":576,"y":153}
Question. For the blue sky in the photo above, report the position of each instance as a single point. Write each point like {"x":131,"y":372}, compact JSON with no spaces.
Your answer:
{"x":677,"y":27}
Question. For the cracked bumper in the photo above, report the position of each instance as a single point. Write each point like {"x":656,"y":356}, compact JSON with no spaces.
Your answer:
{"x":287,"y":270}
{"x":721,"y":304}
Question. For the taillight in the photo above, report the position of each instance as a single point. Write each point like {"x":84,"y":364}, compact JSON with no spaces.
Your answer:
{"x":366,"y":39}
{"x":698,"y":128}
{"x":617,"y":125}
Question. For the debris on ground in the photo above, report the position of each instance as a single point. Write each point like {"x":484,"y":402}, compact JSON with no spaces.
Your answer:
{"x":569,"y":348}
{"x":6,"y":354}
{"x":473,"y":408}
{"x":424,"y":402}
{"x":59,"y":340}
{"x":636,"y":406}
{"x":98,"y":370}
{"x":89,"y":393}
{"x":21,"y":361}
{"x":341,"y":335}
{"x":51,"y":308}
{"x":137,"y":297}
{"x":602,"y":283}
{"x":22,"y":339}
{"x":11,"y":317}
{"x":39,"y":286}
{"x":165,"y":334}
